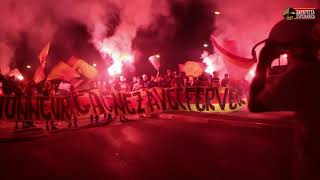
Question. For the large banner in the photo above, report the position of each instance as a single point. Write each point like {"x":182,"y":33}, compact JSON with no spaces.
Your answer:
{"x":95,"y":101}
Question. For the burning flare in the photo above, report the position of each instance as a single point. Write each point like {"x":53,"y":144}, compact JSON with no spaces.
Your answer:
{"x":118,"y":56}
{"x":213,"y":62}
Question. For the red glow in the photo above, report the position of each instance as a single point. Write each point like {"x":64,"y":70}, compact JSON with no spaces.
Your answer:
{"x":20,"y":77}
{"x":210,"y":66}
{"x":252,"y":73}
{"x":283,"y":60}
{"x":118,"y":56}
{"x":213,"y":62}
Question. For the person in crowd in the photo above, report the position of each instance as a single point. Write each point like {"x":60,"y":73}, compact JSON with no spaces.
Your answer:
{"x":185,"y":81}
{"x":174,"y":74}
{"x":175,"y":83}
{"x":107,"y":90}
{"x":30,"y":90}
{"x":47,"y":88}
{"x":203,"y":81}
{"x":133,"y":81}
{"x":47,"y":91}
{"x":138,"y":85}
{"x":215,"y":81}
{"x":169,"y":74}
{"x":125,"y":88}
{"x":116,"y":84}
{"x":123,"y":84}
{"x":74,"y":116}
{"x":176,"y":80}
{"x":190,"y":81}
{"x":161,"y":82}
{"x":153,"y":82}
{"x":145,"y":81}
{"x":225,"y":80}
{"x":167,"y":79}
{"x":181,"y":77}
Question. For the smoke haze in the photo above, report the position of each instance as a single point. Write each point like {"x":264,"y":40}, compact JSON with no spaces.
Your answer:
{"x":249,"y":21}
{"x":113,"y":24}
{"x":118,"y":19}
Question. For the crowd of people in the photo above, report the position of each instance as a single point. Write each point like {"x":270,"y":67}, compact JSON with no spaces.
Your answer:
{"x":9,"y":86}
{"x":172,"y":79}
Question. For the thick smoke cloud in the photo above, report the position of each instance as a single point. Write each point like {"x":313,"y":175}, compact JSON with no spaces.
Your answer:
{"x":39,"y":19}
{"x":246,"y":22}
{"x":249,"y":21}
{"x":242,"y":24}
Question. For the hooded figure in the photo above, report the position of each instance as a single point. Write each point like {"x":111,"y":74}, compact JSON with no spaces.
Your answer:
{"x":288,"y":79}
{"x":287,"y":76}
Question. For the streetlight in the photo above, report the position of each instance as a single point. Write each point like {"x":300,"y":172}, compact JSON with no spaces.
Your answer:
{"x":94,"y":65}
{"x":205,"y":45}
{"x":217,"y":13}
{"x":28,"y":66}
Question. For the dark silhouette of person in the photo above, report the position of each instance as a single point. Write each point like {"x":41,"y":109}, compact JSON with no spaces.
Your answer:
{"x":297,"y":89}
{"x":225,"y":81}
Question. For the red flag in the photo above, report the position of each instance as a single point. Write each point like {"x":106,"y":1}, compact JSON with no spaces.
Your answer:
{"x":44,"y":53}
{"x":231,"y":58}
{"x":155,"y":61}
{"x":63,"y":71}
{"x":192,"y":68}
{"x":83,"y":68}
{"x":39,"y":73}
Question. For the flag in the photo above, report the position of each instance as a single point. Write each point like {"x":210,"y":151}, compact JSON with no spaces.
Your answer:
{"x":39,"y":73}
{"x":44,"y":53}
{"x":62,"y":71}
{"x":233,"y":59}
{"x":14,"y":73}
{"x":83,"y":68}
{"x":155,"y":61}
{"x":64,"y":86}
{"x":192,"y":68}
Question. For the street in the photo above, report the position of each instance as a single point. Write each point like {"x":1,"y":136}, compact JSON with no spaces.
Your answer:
{"x":183,"y":146}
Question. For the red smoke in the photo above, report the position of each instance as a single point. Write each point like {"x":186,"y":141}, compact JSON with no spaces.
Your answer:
{"x":247,"y":22}
{"x":40,"y":19}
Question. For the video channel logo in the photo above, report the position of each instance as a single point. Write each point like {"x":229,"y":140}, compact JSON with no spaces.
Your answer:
{"x":300,"y":14}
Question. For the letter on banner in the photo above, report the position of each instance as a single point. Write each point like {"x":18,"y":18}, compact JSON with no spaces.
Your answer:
{"x":198,"y":99}
{"x":152,"y":101}
{"x":139,"y":102}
